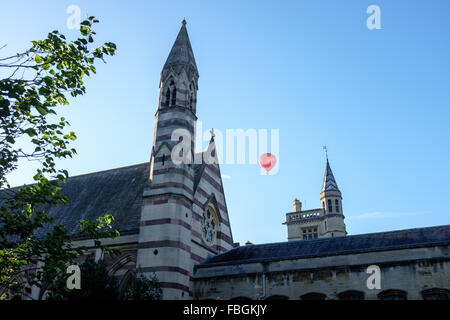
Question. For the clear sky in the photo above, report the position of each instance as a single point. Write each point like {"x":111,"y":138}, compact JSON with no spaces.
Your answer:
{"x":379,"y":99}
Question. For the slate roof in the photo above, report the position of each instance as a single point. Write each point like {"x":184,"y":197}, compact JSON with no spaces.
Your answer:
{"x":329,"y":183}
{"x":116,"y":191}
{"x":181,"y":52}
{"x":393,"y":240}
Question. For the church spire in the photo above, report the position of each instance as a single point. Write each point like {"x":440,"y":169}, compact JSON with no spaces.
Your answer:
{"x":181,"y":54}
{"x":179,"y":76}
{"x":329,"y":183}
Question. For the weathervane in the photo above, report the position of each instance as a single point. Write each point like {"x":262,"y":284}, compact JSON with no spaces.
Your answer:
{"x":326,"y":151}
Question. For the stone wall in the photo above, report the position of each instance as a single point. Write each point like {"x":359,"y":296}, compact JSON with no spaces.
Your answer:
{"x":409,"y":270}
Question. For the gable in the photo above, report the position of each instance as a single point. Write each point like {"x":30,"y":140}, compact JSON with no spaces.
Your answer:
{"x":208,"y":188}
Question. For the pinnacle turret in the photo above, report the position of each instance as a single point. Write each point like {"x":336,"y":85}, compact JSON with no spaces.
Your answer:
{"x":329,"y":182}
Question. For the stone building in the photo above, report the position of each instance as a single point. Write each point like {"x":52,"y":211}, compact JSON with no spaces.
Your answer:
{"x":324,"y":222}
{"x":171,"y":211}
{"x":319,"y":261}
{"x":412,"y":264}
{"x":174,"y":223}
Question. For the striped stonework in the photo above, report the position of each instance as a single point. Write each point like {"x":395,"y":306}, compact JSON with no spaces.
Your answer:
{"x":176,"y":196}
{"x":209,"y":190}
{"x":171,"y":215}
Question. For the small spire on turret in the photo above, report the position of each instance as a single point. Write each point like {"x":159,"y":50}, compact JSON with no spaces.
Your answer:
{"x":329,"y":182}
{"x":326,"y":151}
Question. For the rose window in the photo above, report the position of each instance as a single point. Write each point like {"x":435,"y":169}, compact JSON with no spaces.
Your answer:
{"x":209,"y":225}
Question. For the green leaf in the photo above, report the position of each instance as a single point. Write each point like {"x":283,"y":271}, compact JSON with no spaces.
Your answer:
{"x":84,"y":31}
{"x":4,"y":110}
{"x":38,"y":59}
{"x":4,"y":103}
{"x":31,"y":132}
{"x":43,"y":111}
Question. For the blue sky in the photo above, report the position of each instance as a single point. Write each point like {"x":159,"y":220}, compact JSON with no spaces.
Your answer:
{"x":379,"y":99}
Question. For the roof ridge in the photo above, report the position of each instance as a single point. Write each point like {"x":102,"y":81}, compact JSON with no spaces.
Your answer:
{"x":79,"y":175}
{"x":343,"y":237}
{"x":107,"y":170}
{"x":407,"y":238}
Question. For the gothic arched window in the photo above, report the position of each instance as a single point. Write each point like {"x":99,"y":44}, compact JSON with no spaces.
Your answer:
{"x":174,"y":97}
{"x":393,"y":295}
{"x":313,"y":296}
{"x":167,"y":101}
{"x":330,"y":206}
{"x":190,"y":101}
{"x":190,"y":97}
{"x":351,"y":295}
{"x":277,"y":297}
{"x":242,"y":298}
{"x":436,"y":294}
{"x":209,"y":225}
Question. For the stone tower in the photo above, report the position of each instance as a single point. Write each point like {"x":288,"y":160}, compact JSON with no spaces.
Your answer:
{"x":165,"y":239}
{"x":331,"y":199}
{"x":184,"y":217}
{"x":324,"y":222}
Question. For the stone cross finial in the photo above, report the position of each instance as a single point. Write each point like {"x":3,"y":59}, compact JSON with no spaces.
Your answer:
{"x":184,"y":22}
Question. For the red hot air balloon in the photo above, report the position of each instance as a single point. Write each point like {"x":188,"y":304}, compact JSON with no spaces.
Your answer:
{"x":267,"y":161}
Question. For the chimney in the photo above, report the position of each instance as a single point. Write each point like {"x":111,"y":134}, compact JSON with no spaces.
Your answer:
{"x":297,"y":205}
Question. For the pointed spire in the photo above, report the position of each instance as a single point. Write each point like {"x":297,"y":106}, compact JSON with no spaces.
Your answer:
{"x":181,"y":52}
{"x":329,"y":183}
{"x":212,"y":135}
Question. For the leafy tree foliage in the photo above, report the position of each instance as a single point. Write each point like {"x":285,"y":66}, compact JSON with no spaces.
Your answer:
{"x":140,"y":287}
{"x":39,"y":81}
{"x":98,"y":284}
